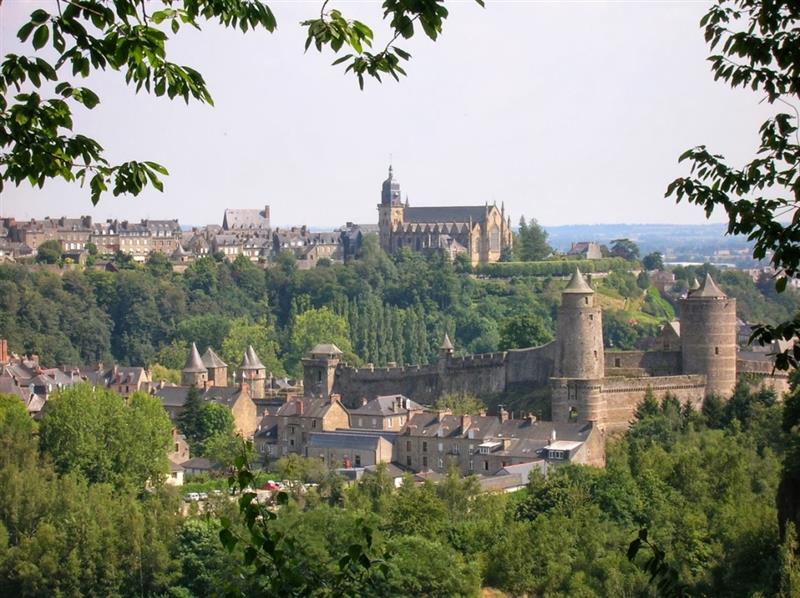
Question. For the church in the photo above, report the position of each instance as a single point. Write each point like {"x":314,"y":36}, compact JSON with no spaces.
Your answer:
{"x":479,"y":232}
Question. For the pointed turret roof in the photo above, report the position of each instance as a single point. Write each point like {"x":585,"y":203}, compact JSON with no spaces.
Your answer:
{"x":251,"y":360}
{"x":193,"y":363}
{"x":578,"y":284}
{"x":708,"y":290}
{"x":212,"y":360}
{"x":326,"y":349}
{"x":446,"y":344}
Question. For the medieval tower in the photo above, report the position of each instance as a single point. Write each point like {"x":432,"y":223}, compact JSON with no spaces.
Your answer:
{"x":253,"y":373}
{"x":708,"y":337}
{"x":579,"y":360}
{"x":319,"y":370}
{"x":217,"y":369}
{"x":194,"y":373}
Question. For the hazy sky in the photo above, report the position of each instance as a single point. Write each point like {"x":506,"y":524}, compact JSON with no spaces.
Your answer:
{"x":569,"y":112}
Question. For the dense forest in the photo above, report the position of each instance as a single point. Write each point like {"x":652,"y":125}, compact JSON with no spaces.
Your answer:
{"x":376,"y":308}
{"x":75,"y":521}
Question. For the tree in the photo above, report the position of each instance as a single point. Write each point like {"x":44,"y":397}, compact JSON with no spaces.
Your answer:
{"x":524,"y":330}
{"x":131,"y":37}
{"x":93,"y":432}
{"x":242,"y":333}
{"x":459,"y":404}
{"x":225,"y":447}
{"x":319,"y":326}
{"x":48,"y":252}
{"x":653,"y":261}
{"x":531,"y":242}
{"x":758,"y":42}
{"x":202,"y":420}
{"x":625,"y":248}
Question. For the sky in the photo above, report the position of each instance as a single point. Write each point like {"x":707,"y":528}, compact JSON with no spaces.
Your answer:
{"x":567,"y":112}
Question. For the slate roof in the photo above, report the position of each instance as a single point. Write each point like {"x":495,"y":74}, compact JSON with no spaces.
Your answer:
{"x":250,"y":361}
{"x":194,"y":364}
{"x":198,"y":463}
{"x":708,"y":290}
{"x":212,"y":360}
{"x":578,"y":284}
{"x":343,"y":441}
{"x":175,"y":396}
{"x":237,"y":219}
{"x":326,"y":349}
{"x":445,"y":214}
{"x":526,"y":439}
{"x":386,"y":405}
{"x":311,"y":407}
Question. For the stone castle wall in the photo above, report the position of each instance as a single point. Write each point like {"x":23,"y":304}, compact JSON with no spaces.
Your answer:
{"x":643,"y":363}
{"x":623,"y":395}
{"x":480,"y":374}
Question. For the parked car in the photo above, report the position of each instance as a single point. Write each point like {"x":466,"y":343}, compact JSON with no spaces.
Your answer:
{"x":202,"y":496}
{"x":192,"y":497}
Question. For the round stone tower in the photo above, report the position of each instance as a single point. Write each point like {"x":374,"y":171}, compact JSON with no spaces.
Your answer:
{"x":253,"y":373}
{"x":708,"y":337}
{"x":579,"y":348}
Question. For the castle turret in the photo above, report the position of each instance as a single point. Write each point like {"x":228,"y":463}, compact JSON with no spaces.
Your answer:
{"x":446,"y":350}
{"x":217,"y":369}
{"x":579,"y":349}
{"x":194,"y":372}
{"x":253,"y":373}
{"x":319,"y":370}
{"x":708,"y":337}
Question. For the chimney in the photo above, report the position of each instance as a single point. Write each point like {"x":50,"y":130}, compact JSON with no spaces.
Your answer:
{"x":482,"y":412}
{"x":364,"y":401}
{"x":3,"y":350}
{"x":503,"y":415}
{"x":335,"y":398}
{"x":243,"y":387}
{"x":553,"y":435}
{"x":466,"y":420}
{"x":300,"y":407}
{"x":531,"y":419}
{"x":441,"y":413}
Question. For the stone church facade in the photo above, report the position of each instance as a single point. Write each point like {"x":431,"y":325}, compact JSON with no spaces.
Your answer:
{"x":480,"y":232}
{"x":585,"y":383}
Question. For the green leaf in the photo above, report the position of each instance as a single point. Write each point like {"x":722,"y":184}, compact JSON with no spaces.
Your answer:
{"x":41,"y":36}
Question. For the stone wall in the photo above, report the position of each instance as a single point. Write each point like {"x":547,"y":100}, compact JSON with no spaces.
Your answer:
{"x":643,"y":363}
{"x":622,"y":395}
{"x":530,"y":366}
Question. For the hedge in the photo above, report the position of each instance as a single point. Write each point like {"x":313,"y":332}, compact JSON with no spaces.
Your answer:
{"x":553,"y":267}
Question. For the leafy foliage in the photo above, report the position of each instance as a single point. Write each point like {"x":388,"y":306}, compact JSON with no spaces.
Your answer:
{"x":37,"y":138}
{"x":756,"y":43}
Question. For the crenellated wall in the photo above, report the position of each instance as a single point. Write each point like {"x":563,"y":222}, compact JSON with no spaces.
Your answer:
{"x":480,"y":374}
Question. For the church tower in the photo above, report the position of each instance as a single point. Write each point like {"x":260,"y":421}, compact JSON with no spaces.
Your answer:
{"x":194,"y":372}
{"x":708,"y":337}
{"x":390,"y":210}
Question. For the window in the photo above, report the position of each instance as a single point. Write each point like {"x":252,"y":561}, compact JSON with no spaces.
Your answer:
{"x":716,"y":350}
{"x":586,"y":300}
{"x":557,"y":455}
{"x":424,"y":461}
{"x":408,"y":460}
{"x":313,"y":423}
{"x":441,"y":447}
{"x":591,"y":317}
{"x":471,"y":465}
{"x":617,"y":362}
{"x":441,"y":464}
{"x":319,"y":376}
{"x":374,"y":421}
{"x":360,"y":422}
{"x":595,"y":354}
{"x":573,"y":414}
{"x":358,"y":460}
{"x":424,"y":447}
{"x":485,"y":466}
{"x":177,"y":447}
{"x":494,"y":240}
{"x":291,"y":442}
{"x":408,"y":445}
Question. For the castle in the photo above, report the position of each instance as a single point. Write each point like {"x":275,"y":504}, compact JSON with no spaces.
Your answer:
{"x":479,"y":232}
{"x":695,"y":358}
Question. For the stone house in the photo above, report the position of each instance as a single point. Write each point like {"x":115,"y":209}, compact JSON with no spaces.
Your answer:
{"x":480,"y":444}
{"x":349,"y":448}
{"x":388,"y":413}
{"x":586,"y":250}
{"x":289,"y":430}
{"x":235,"y":398}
